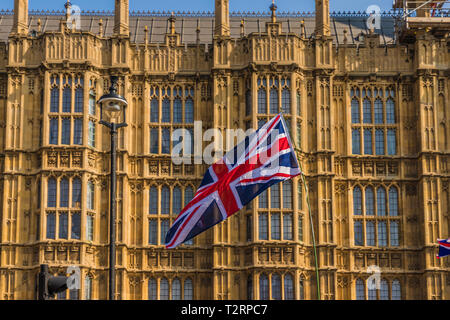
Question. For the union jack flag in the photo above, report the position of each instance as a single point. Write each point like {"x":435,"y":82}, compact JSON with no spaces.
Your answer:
{"x":262,"y":159}
{"x":444,"y":248}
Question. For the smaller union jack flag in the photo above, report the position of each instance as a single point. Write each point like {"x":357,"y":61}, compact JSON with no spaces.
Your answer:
{"x":444,"y":248}
{"x":262,"y":159}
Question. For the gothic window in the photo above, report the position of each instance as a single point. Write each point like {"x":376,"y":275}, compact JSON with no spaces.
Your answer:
{"x":79,"y":99}
{"x":286,"y":101}
{"x":67,"y":100}
{"x":287,"y":226}
{"x":165,"y":200}
{"x":381,"y":201}
{"x":152,"y":293}
{"x":165,"y":110}
{"x":263,"y":287}
{"x":154,"y":110}
{"x":382,"y":234}
{"x":176,"y":205}
{"x":263,"y":225}
{"x":370,"y":233}
{"x":393,"y":202}
{"x":379,"y":142}
{"x":356,"y":141}
{"x":176,"y":289}
{"x":358,"y":231}
{"x":51,"y":225}
{"x":65,"y":134}
{"x":369,"y":202}
{"x":177,"y":111}
{"x":64,"y":193}
{"x":153,"y":231}
{"x":357,"y":201}
{"x":367,"y":111}
{"x":273,"y":106}
{"x":371,"y":293}
{"x":164,"y":289}
{"x":91,"y":136}
{"x":391,"y":142}
{"x":390,"y":111}
{"x":288,"y":287}
{"x":76,"y":193}
{"x":154,"y":140}
{"x":301,"y":289}
{"x":78,"y":131}
{"x":378,"y":111}
{"x":90,"y":227}
{"x":153,"y":200}
{"x":249,"y":225}
{"x":275,"y":196}
{"x":53,"y":131}
{"x":262,"y":101}
{"x":189,"y":111}
{"x":384,"y":290}
{"x":188,"y":195}
{"x":73,"y":294}
{"x":368,"y":141}
{"x":88,"y":288}
{"x":394,"y":234}
{"x":300,"y":228}
{"x":188,"y":289}
{"x":165,"y":142}
{"x":76,"y":226}
{"x":63,"y":225}
{"x":51,"y":193}
{"x":54,"y":96}
{"x":275,"y":226}
{"x":355,"y":111}
{"x":164,"y":228}
{"x":360,"y":290}
{"x":287,"y":194}
{"x":396,"y":290}
{"x":90,"y":195}
{"x":276,"y":287}
{"x":92,"y":102}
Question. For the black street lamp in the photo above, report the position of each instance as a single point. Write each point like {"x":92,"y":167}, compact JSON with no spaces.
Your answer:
{"x":114,"y":105}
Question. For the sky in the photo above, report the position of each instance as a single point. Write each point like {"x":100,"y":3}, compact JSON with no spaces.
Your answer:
{"x":205,"y":5}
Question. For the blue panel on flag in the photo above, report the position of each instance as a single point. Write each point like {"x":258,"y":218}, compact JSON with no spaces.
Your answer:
{"x":248,"y":193}
{"x":210,"y":218}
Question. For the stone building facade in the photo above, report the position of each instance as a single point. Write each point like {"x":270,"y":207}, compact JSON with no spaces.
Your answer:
{"x":369,"y":111}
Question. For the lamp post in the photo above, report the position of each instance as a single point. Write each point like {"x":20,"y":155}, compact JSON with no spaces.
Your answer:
{"x":114,"y":105}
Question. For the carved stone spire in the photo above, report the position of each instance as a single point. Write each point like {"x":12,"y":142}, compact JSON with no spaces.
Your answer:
{"x":274,"y":8}
{"x":222,"y":14}
{"x":68,"y":7}
{"x":322,"y":18}
{"x":172,"y":21}
{"x":20,"y":25}
{"x":121,"y":18}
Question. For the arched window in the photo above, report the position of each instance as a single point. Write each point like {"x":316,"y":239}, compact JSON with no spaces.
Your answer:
{"x":274,"y":101}
{"x":152,"y":294}
{"x":262,"y":101}
{"x":67,"y":99}
{"x":288,"y":287}
{"x":79,"y":97}
{"x":368,"y":133}
{"x":54,"y":99}
{"x":189,"y":111}
{"x":276,"y":287}
{"x":390,"y":111}
{"x":188,"y":195}
{"x":356,"y":141}
{"x":176,"y":289}
{"x":90,"y":195}
{"x":165,"y":141}
{"x":384,"y":290}
{"x":360,"y":293}
{"x":381,"y":201}
{"x":188,"y":289}
{"x":165,"y":200}
{"x":164,"y":289}
{"x":379,"y":142}
{"x":154,"y":110}
{"x":357,"y":201}
{"x":263,"y":287}
{"x":396,"y":290}
{"x":287,"y":194}
{"x":64,"y":193}
{"x":393,"y":202}
{"x":76,"y":193}
{"x":355,"y":111}
{"x":177,"y":111}
{"x":51,"y":193}
{"x":165,"y":110}
{"x":358,"y":231}
{"x":367,"y":111}
{"x":370,"y":233}
{"x":370,"y":206}
{"x":301,"y":288}
{"x":263,"y":201}
{"x":153,"y":200}
{"x":378,"y":111}
{"x":176,"y":204}
{"x":286,"y":101}
{"x":250,"y":287}
{"x":275,"y":196}
{"x":371,"y":292}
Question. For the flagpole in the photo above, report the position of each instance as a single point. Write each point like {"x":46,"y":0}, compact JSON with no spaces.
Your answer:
{"x":311,"y":223}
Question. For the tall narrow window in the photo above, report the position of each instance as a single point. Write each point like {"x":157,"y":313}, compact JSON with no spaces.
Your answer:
{"x":78,"y":131}
{"x":51,"y":193}
{"x":53,"y":131}
{"x":370,"y":206}
{"x":54,"y":100}
{"x":188,"y":195}
{"x":273,"y":101}
{"x":263,"y":287}
{"x":188,"y":289}
{"x":176,"y":289}
{"x":368,"y":141}
{"x":384,"y":290}
{"x":76,"y":226}
{"x":378,"y":111}
{"x":355,"y":111}
{"x":79,"y":97}
{"x":154,"y":110}
{"x":90,"y":195}
{"x":67,"y":100}
{"x":275,"y":196}
{"x":248,"y":103}
{"x":177,"y":111}
{"x":63,"y":225}
{"x":287,"y":194}
{"x":300,"y":228}
{"x":154,"y":140}
{"x":176,"y":202}
{"x":394,"y":234}
{"x":51,"y":225}
{"x":92,"y":102}
{"x":153,"y":200}
{"x":381,"y":201}
{"x":262,"y":101}
{"x":263,"y":200}
{"x":379,"y":142}
{"x":287,"y":226}
{"x":276,"y":287}
{"x":152,"y":293}
{"x":189,"y":111}
{"x":263,"y":226}
{"x":286,"y":101}
{"x":275,"y":226}
{"x":164,"y":229}
{"x":153,"y":231}
{"x":370,"y":233}
{"x":76,"y":193}
{"x":165,"y":200}
{"x":165,"y":142}
{"x":301,"y":289}
{"x":90,"y":227}
{"x":164,"y":289}
{"x":371,"y":293}
{"x":87,"y":288}
{"x":396,"y":290}
{"x":360,"y":292}
{"x":391,"y":142}
{"x":358,"y":230}
{"x":382,"y":234}
{"x":356,"y":141}
{"x":165,"y":110}
{"x":64,"y":193}
{"x":390,"y":111}
{"x":357,"y":201}
{"x":91,"y":140}
{"x":393,"y":202}
{"x":65,"y":132}
{"x":288,"y":287}
{"x":367,"y":111}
